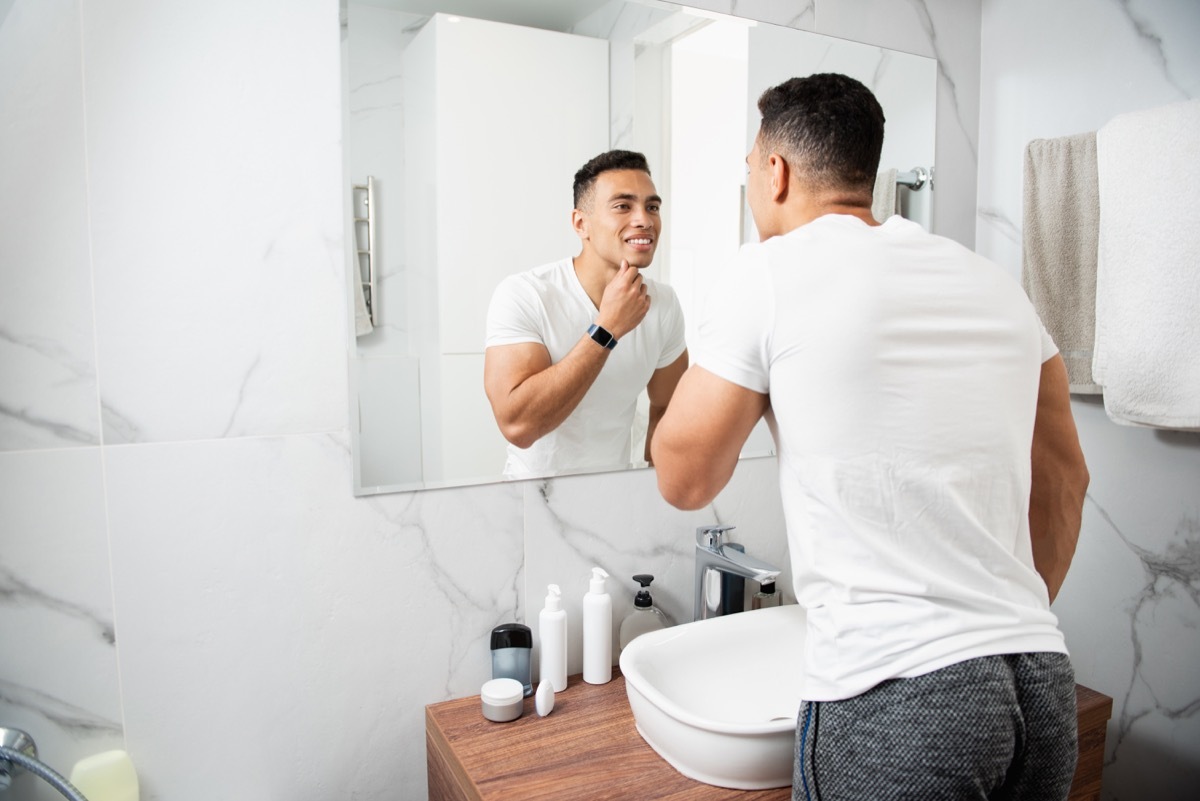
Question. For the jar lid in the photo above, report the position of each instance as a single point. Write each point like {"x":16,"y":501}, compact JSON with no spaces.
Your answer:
{"x":502,"y":692}
{"x":512,"y":635}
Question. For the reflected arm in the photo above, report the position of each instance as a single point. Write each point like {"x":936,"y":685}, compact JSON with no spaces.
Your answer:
{"x":659,"y":390}
{"x":698,"y":440}
{"x":1060,"y":478}
{"x":531,"y":397}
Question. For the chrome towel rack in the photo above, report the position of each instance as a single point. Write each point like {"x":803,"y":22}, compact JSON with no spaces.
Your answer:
{"x":915,"y":178}
{"x":366,"y":193}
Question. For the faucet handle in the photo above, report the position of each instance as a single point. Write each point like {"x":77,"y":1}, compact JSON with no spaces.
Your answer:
{"x":710,"y":536}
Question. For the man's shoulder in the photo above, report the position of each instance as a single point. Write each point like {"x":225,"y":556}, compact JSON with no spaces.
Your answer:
{"x":538,"y":280}
{"x":551,"y":272}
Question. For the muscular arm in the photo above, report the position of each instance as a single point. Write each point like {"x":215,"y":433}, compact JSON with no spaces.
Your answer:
{"x":699,"y":438}
{"x":1060,"y":478}
{"x":530,"y":396}
{"x":659,"y":390}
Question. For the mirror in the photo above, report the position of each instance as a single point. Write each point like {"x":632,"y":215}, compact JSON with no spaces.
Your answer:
{"x":468,"y":118}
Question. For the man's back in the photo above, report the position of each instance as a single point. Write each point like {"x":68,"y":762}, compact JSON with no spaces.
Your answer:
{"x":903,"y":377}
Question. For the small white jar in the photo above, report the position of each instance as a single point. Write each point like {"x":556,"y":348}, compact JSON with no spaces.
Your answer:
{"x":502,"y":699}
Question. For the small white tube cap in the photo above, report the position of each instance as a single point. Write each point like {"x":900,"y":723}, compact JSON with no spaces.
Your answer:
{"x":106,"y":777}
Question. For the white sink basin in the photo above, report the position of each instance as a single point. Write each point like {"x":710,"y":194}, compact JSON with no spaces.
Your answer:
{"x":718,"y":698}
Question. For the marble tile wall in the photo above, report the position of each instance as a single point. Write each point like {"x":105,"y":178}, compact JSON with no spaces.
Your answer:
{"x":1131,"y":604}
{"x":183,"y":569}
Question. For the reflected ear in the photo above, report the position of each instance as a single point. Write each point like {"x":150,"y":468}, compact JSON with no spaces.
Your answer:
{"x":780,"y":176}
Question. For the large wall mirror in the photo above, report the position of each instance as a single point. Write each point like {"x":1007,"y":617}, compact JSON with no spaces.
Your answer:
{"x":465,"y":121}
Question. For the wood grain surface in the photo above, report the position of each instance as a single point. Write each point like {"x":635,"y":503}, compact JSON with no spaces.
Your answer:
{"x":588,"y":749}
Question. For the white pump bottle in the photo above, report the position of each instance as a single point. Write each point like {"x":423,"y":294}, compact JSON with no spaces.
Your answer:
{"x":597,"y":631}
{"x":552,"y":631}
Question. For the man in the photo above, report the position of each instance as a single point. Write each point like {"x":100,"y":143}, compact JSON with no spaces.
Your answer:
{"x":904,"y":379}
{"x":571,"y":344}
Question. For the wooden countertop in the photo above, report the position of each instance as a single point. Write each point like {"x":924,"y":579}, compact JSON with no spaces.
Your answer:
{"x":589,"y":748}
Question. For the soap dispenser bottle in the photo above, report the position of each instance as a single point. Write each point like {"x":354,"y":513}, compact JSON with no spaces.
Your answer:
{"x":597,"y":631}
{"x":645,"y":615}
{"x":552,"y":630}
{"x":766,"y":597}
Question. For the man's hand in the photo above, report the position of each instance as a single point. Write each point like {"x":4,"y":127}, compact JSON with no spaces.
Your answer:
{"x":625,"y":303}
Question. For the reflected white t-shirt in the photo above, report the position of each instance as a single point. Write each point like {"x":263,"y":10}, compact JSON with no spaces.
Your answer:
{"x":548,"y":305}
{"x":903,"y":373}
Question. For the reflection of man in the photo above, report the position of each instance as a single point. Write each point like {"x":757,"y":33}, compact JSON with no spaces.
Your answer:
{"x":571,"y":344}
{"x":905,"y":379}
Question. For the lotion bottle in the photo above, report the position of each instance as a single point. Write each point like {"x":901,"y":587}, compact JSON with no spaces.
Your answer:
{"x":552,"y":630}
{"x":597,"y":631}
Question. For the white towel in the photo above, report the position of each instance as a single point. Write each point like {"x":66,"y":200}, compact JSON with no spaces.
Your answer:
{"x":1148,"y":273}
{"x":1061,"y":217}
{"x":883,"y":202}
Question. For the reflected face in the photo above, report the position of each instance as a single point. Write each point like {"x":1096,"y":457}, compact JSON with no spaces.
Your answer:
{"x":623,"y":220}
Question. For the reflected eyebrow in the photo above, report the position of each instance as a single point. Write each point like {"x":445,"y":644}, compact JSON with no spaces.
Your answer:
{"x":630,"y":196}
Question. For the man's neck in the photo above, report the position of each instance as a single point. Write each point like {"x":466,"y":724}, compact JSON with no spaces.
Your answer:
{"x":795,"y":215}
{"x":594,"y":274}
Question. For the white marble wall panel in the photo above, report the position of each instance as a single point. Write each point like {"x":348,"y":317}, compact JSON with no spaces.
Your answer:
{"x":619,"y":522}
{"x":47,"y":353}
{"x":280,"y":638}
{"x":1130,"y":606}
{"x":1036,"y":58}
{"x":216,"y":200}
{"x":58,"y":658}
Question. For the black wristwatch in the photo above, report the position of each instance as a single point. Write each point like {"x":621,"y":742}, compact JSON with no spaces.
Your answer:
{"x":602,"y":337}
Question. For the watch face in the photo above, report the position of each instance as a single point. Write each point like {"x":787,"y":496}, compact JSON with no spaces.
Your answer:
{"x":602,"y":337}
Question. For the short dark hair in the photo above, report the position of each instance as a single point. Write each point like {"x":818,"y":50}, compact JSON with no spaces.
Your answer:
{"x":585,"y":178}
{"x":828,"y":126}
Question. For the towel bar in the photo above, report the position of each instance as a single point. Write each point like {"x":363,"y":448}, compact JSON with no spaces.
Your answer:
{"x":368,"y":282}
{"x":915,"y":178}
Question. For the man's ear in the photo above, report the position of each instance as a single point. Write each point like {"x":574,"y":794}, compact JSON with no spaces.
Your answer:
{"x":780,"y":176}
{"x":579,"y":223}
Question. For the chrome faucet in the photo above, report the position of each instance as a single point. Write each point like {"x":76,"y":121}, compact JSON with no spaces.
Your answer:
{"x":714,"y":558}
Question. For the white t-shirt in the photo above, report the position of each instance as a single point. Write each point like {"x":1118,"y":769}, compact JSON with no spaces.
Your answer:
{"x":903,"y":373}
{"x":548,"y":305}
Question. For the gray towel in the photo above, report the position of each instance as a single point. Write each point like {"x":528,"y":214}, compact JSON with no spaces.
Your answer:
{"x":1061,"y":223}
{"x":883,"y":202}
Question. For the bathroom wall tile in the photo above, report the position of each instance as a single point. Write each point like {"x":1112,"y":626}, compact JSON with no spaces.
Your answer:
{"x":47,"y":354}
{"x":1107,"y":59}
{"x":622,"y":524}
{"x":58,"y":658}
{"x":1132,"y":632}
{"x":792,"y":13}
{"x":215,"y":176}
{"x":1130,"y":606}
{"x":287,"y":635}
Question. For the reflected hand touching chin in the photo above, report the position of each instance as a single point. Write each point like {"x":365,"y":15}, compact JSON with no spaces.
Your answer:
{"x":572,"y":344}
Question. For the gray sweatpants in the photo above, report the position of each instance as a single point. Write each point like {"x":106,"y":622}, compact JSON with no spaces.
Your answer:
{"x":998,"y":727}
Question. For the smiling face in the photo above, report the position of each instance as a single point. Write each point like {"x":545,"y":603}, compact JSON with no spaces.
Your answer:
{"x":620,"y":218}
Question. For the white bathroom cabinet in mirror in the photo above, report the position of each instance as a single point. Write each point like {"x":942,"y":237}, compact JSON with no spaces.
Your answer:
{"x":676,"y":83}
